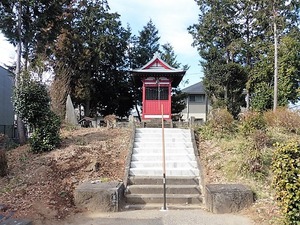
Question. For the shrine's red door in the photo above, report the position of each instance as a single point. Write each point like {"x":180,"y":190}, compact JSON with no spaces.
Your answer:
{"x":156,"y":94}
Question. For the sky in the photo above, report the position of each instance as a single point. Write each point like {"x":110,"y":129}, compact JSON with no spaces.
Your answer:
{"x":171,"y":18}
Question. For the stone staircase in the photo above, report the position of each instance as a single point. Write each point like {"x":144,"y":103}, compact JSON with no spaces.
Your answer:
{"x":145,"y":183}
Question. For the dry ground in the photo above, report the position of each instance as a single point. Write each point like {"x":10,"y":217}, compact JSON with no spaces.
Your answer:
{"x":40,"y":186}
{"x":215,"y":164}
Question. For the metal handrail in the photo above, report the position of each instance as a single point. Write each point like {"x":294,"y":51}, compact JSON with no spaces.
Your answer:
{"x":163,"y":157}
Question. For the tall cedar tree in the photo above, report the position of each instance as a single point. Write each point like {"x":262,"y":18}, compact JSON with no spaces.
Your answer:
{"x":240,"y":33}
{"x":224,"y":78}
{"x":41,"y":22}
{"x":94,"y":45}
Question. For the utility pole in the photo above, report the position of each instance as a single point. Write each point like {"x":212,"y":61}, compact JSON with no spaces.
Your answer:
{"x":18,"y":80}
{"x":275,"y":59}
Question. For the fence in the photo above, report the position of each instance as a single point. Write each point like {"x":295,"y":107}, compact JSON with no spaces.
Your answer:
{"x":8,"y":130}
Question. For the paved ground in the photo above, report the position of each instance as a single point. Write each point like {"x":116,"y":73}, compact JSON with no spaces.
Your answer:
{"x":156,"y":217}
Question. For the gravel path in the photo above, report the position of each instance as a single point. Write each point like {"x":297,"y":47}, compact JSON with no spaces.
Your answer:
{"x":152,"y":217}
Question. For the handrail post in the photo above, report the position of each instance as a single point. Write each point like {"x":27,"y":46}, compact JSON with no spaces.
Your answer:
{"x":163,"y":157}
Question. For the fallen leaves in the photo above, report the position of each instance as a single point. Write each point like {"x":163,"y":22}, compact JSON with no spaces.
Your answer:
{"x":40,"y":186}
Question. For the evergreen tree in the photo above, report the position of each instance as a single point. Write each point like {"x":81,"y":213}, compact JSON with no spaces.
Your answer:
{"x":94,"y":45}
{"x":31,"y":26}
{"x":214,"y":37}
{"x":235,"y":40}
{"x":168,"y":55}
{"x":144,"y":45}
{"x":40,"y":20}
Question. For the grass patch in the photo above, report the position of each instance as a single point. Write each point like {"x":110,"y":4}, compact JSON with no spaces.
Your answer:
{"x":243,"y":153}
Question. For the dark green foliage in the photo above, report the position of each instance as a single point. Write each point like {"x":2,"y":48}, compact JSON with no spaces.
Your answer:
{"x":286,"y":182}
{"x":93,"y":45}
{"x":168,"y":55}
{"x":261,"y":77}
{"x":32,"y":102}
{"x":41,"y":22}
{"x":225,"y":84}
{"x":46,"y":136}
{"x":144,"y":45}
{"x":240,"y":33}
{"x":218,"y":41}
{"x":178,"y":101}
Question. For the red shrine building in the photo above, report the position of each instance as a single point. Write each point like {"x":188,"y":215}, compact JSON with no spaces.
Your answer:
{"x":157,"y":79}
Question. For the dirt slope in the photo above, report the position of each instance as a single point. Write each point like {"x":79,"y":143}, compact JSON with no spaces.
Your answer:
{"x":40,"y":186}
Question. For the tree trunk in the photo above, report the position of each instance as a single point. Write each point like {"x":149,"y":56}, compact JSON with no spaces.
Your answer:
{"x":275,"y":62}
{"x":87,"y":108}
{"x":138,"y":112}
{"x":20,"y":124}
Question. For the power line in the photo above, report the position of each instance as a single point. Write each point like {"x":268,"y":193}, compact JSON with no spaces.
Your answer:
{"x":194,"y":74}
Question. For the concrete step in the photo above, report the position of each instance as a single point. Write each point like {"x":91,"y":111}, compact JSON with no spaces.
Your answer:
{"x":158,"y":171}
{"x":158,"y":198}
{"x":159,"y":206}
{"x":168,"y":150}
{"x":159,"y":130}
{"x":158,"y":139}
{"x":145,"y":184}
{"x":158,"y":189}
{"x":158,"y":157}
{"x":167,"y":144}
{"x":146,"y":180}
{"x":169,"y":164}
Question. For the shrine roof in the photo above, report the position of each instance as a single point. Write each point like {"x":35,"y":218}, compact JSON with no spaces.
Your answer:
{"x":157,"y":67}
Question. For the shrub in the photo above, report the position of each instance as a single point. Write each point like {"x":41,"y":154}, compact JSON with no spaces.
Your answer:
{"x":253,"y":154}
{"x":206,"y":132}
{"x":251,"y":121}
{"x":286,"y":180}
{"x":284,"y":118}
{"x":32,"y":102}
{"x":221,"y":120}
{"x":46,"y":137}
{"x":259,"y":139}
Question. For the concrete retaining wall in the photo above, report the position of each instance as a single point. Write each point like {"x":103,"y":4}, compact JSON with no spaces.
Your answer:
{"x":101,"y":197}
{"x":228,"y":198}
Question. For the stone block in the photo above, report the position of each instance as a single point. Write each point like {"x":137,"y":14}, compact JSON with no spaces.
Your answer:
{"x":12,"y":221}
{"x":228,"y":198}
{"x":99,"y":196}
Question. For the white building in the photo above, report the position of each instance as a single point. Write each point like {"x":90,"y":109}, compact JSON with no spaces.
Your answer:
{"x":197,"y":104}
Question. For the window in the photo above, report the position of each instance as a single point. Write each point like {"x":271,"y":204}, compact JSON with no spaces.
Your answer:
{"x":157,"y":93}
{"x":197,"y":98}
